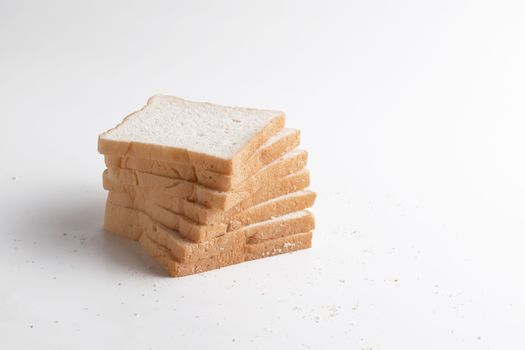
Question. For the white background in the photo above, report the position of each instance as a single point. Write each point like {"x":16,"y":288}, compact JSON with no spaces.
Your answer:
{"x":413,"y":114}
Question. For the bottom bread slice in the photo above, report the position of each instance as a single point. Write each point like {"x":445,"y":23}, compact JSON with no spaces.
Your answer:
{"x":133,"y":223}
{"x":240,"y":252}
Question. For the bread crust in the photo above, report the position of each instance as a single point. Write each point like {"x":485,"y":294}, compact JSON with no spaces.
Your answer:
{"x":214,"y":180}
{"x":239,"y":253}
{"x":135,"y":197}
{"x":291,"y":162}
{"x":199,"y":233}
{"x":133,"y":223}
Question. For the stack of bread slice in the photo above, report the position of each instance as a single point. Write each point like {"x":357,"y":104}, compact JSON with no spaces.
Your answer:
{"x":202,"y":186}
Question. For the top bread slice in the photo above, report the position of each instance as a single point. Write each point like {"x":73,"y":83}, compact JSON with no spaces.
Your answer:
{"x":204,"y":135}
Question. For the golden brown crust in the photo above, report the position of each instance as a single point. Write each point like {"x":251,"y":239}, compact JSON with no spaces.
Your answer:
{"x":221,"y":182}
{"x":135,"y":197}
{"x":114,"y":178}
{"x":199,"y":233}
{"x":236,"y":255}
{"x":130,"y":221}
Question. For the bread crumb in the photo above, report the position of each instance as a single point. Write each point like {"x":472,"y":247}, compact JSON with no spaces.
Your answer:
{"x":333,"y":310}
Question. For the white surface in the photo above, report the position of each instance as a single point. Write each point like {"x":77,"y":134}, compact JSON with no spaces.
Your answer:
{"x":413,"y":115}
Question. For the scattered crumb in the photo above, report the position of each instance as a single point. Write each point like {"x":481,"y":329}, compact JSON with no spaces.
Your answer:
{"x":333,"y":310}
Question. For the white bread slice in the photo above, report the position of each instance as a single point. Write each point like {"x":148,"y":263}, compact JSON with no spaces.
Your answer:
{"x":136,"y":197}
{"x":187,"y":251}
{"x":289,"y":163}
{"x":239,"y":253}
{"x":204,"y":135}
{"x":195,"y":232}
{"x":282,"y":142}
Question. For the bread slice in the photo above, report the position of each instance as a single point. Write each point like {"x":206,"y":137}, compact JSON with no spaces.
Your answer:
{"x":276,"y":246}
{"x":195,"y":232}
{"x":183,"y":250}
{"x":165,"y":258}
{"x":204,"y":135}
{"x":123,"y":222}
{"x":282,"y":142}
{"x":136,"y":197}
{"x":289,"y":163}
{"x":232,"y":256}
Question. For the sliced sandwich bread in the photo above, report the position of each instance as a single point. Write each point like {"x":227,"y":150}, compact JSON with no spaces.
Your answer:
{"x":289,"y":163}
{"x":184,"y":250}
{"x":136,"y":197}
{"x":203,"y":135}
{"x":195,"y":232}
{"x":239,"y":253}
{"x":282,"y":142}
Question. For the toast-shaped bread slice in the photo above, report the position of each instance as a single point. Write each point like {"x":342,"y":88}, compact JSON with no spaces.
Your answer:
{"x":203,"y":135}
{"x":282,"y":142}
{"x":136,"y":197}
{"x":185,"y":251}
{"x":195,"y":232}
{"x":289,"y":163}
{"x":132,"y":223}
{"x":239,"y":253}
